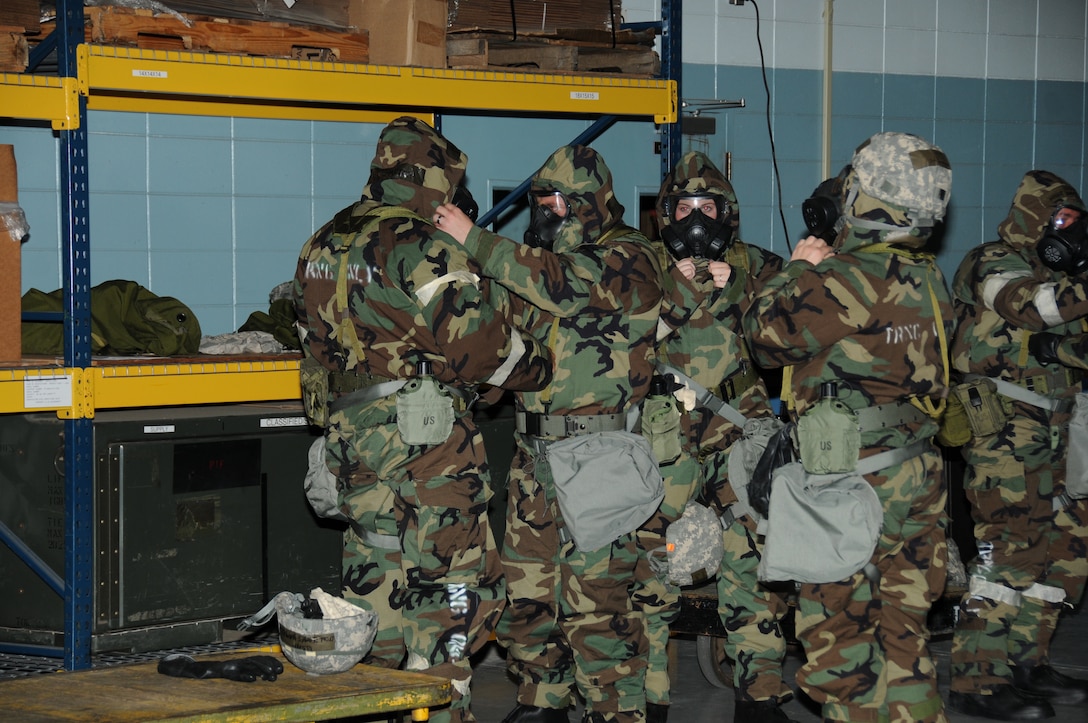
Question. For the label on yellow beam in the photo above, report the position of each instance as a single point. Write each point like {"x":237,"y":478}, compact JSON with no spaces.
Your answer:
{"x":47,"y":392}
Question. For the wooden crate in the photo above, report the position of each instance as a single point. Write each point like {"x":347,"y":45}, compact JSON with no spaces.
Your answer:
{"x":14,"y":49}
{"x":145,"y":29}
{"x":565,"y":51}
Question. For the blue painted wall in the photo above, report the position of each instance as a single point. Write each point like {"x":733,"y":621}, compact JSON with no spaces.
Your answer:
{"x":214,"y":210}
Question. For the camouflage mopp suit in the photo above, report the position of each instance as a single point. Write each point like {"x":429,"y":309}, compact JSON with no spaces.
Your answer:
{"x":872,"y":318}
{"x":1031,"y":536}
{"x":703,"y":339}
{"x":378,"y":292}
{"x":592,"y":298}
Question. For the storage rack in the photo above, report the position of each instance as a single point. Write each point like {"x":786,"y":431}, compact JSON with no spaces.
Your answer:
{"x":122,"y":79}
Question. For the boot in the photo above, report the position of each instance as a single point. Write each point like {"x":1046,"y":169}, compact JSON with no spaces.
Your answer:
{"x":657,"y":712}
{"x":1005,"y":703}
{"x":759,"y":711}
{"x":534,"y":714}
{"x":1045,"y":682}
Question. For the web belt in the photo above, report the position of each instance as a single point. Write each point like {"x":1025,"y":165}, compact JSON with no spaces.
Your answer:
{"x":567,"y":425}
{"x":381,"y":390}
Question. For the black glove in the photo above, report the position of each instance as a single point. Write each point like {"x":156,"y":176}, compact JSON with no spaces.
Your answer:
{"x":245,"y":670}
{"x":779,"y":452}
{"x":1044,"y":347}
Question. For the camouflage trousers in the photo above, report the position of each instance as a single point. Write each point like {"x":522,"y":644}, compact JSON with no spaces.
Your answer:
{"x":656,"y":598}
{"x":424,"y":557}
{"x":1032,"y":557}
{"x":866,"y":642}
{"x":569,"y":622}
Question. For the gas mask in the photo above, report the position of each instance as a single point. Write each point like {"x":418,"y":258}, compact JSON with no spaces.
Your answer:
{"x":464,"y":201}
{"x":697,"y":235}
{"x":1064,"y":245}
{"x":822,"y":211}
{"x":545,"y":221}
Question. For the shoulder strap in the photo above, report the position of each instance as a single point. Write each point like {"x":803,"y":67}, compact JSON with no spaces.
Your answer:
{"x":704,"y":396}
{"x":346,"y":224}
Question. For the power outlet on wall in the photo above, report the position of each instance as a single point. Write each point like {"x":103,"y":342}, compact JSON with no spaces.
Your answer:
{"x":736,"y":2}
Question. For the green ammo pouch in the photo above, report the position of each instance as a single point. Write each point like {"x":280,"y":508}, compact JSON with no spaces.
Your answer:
{"x":987,"y":413}
{"x":829,"y":438}
{"x":314,"y":379}
{"x":424,"y":411}
{"x":955,"y":430}
{"x":661,"y":427}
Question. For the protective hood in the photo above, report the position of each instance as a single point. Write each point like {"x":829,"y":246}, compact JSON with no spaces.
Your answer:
{"x":580,"y":174}
{"x":696,"y":175}
{"x":1040,"y":194}
{"x":414,"y":167}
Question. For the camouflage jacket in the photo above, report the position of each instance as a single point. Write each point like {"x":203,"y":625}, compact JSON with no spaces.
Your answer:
{"x":594,"y":304}
{"x":863,"y":318}
{"x":412,"y":292}
{"x":706,"y":341}
{"x":1004,"y":293}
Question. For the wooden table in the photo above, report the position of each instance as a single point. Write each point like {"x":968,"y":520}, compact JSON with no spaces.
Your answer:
{"x":140,"y":693}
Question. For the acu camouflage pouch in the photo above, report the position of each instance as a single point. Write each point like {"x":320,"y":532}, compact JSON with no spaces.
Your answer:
{"x":424,"y":411}
{"x":829,"y":438}
{"x":986,"y":412}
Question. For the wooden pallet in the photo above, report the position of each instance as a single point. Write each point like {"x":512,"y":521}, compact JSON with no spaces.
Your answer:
{"x":565,"y":51}
{"x":147,"y":30}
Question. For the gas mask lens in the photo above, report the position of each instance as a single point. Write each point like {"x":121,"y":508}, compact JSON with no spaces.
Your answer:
{"x":1066,"y":218}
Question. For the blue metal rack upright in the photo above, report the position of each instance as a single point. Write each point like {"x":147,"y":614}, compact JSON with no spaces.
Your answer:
{"x":78,"y":432}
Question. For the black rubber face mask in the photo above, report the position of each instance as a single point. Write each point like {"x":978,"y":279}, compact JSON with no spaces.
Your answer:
{"x":544,"y":224}
{"x":1064,"y":245}
{"x":698,"y":236}
{"x":823,"y":209}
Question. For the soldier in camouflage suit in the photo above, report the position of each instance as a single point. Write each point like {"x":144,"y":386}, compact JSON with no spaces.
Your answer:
{"x":869,"y":314}
{"x":714,"y":279}
{"x":1022,"y":322}
{"x":378,"y":290}
{"x":593,"y":288}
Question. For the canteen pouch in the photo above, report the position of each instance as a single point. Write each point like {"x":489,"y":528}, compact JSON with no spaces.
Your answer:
{"x":821,"y":528}
{"x":1076,"y":459}
{"x":955,"y":430}
{"x":606,"y":484}
{"x":986,"y":412}
{"x":424,"y":411}
{"x":828,"y":438}
{"x":314,"y":379}
{"x":661,"y":427}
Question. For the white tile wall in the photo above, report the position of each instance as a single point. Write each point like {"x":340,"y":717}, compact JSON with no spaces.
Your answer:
{"x":1001,"y":39}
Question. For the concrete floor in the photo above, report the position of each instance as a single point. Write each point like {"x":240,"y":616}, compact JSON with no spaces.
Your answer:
{"x":698,"y":700}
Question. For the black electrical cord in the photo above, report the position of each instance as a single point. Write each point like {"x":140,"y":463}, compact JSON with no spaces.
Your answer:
{"x":513,"y":21}
{"x":770,"y":131}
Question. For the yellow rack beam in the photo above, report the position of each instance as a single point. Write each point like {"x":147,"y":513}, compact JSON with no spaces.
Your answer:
{"x":40,"y":97}
{"x":149,"y":76}
{"x":164,"y":385}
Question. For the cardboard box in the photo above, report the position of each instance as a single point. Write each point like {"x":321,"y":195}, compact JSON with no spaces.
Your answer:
{"x":403,"y":32}
{"x":11,"y":280}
